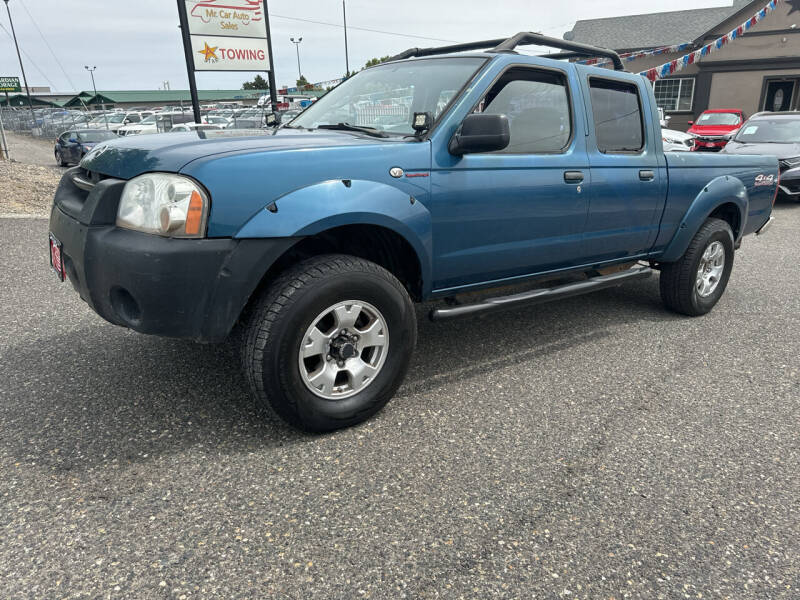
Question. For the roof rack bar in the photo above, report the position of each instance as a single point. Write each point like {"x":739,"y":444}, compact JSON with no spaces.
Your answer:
{"x":412,"y":52}
{"x":524,"y":38}
{"x":529,"y":38}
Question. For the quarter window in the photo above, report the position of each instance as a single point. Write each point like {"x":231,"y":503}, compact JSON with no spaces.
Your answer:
{"x":617,"y":116}
{"x":537,"y":106}
{"x":674,"y":94}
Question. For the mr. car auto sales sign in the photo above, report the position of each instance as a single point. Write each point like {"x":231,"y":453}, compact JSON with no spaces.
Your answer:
{"x":238,"y":18}
{"x":228,"y":35}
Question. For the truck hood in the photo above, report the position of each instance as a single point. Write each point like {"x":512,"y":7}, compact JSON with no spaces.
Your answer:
{"x":779,"y":151}
{"x":170,"y":152}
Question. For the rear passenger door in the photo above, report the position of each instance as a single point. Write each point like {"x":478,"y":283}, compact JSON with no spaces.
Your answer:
{"x":626,"y":162}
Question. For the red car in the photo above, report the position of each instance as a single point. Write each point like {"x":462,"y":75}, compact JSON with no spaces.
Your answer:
{"x":713,"y":128}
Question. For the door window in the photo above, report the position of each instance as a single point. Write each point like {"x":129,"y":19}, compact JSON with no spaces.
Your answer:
{"x":538,"y":110}
{"x":617,"y":115}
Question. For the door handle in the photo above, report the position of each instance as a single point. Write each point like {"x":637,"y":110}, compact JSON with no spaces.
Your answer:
{"x":646,"y":175}
{"x":573,"y":176}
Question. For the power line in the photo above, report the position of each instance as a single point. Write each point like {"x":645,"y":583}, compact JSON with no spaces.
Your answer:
{"x":30,"y":60}
{"x":340,"y":26}
{"x":72,"y":85}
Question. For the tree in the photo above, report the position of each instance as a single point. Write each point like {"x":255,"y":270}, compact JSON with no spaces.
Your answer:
{"x":376,"y":61}
{"x":302,"y":84}
{"x":259,"y":83}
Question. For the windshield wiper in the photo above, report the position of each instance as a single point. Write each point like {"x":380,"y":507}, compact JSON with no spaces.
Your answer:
{"x":348,"y":127}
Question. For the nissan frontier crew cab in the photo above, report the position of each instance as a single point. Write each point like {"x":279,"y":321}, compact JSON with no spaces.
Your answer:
{"x":440,"y":172}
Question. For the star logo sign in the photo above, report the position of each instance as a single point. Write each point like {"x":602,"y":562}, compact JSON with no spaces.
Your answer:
{"x":209,"y":52}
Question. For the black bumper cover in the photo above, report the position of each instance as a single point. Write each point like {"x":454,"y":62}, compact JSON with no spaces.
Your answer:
{"x":193,"y":289}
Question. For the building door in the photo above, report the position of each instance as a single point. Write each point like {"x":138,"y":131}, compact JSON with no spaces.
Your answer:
{"x":780,"y":95}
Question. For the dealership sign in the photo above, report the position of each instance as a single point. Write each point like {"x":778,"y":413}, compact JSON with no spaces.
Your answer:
{"x":10,"y":84}
{"x":238,"y":18}
{"x":215,"y":53}
{"x":225,"y":35}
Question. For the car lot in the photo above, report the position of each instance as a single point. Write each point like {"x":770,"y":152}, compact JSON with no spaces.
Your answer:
{"x":599,"y":447}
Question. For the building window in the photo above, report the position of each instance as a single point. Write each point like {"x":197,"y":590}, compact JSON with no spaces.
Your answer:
{"x":674,"y":94}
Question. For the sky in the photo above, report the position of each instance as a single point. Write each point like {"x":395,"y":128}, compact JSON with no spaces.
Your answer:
{"x":136,"y":44}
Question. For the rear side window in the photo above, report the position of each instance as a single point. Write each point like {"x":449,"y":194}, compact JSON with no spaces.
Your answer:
{"x":538,"y":110}
{"x":617,"y":116}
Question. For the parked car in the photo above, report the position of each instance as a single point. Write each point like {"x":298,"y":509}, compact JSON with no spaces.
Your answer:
{"x":535,"y":167}
{"x":775,"y":134}
{"x":120,"y":119}
{"x":71,"y":146}
{"x":215,"y":120}
{"x":712,"y":127}
{"x":195,"y":127}
{"x":677,"y":141}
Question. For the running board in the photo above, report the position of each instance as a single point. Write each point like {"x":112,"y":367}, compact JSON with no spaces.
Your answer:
{"x":543,"y":295}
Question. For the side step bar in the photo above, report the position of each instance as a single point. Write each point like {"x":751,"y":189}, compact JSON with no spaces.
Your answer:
{"x":543,"y":295}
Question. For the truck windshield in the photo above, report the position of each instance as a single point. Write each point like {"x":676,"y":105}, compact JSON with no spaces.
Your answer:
{"x":386,"y":97}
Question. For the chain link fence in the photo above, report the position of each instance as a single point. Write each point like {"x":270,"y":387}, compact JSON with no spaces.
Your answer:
{"x":49,"y":123}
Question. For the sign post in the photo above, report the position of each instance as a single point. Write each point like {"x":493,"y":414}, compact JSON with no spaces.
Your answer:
{"x":226,"y":35}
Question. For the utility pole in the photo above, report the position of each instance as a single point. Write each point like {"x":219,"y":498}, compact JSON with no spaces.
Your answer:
{"x":297,"y":47}
{"x":346,"y":58}
{"x":21,"y":68}
{"x":3,"y":142}
{"x":94,"y":87}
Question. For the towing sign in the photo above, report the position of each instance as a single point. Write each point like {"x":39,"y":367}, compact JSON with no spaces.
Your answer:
{"x":216,"y":53}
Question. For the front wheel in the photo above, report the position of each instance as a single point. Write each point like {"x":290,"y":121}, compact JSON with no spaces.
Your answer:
{"x":328,"y":344}
{"x":60,"y":159}
{"x":695,"y":283}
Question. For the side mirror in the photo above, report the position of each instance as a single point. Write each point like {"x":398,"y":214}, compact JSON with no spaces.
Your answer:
{"x":480,"y":133}
{"x":690,"y":123}
{"x":668,"y":118}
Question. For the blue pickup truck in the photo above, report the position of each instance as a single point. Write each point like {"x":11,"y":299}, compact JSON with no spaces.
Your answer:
{"x":469,"y":168}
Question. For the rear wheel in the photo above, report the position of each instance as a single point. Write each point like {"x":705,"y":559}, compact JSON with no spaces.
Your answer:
{"x":328,"y":343}
{"x":695,"y":283}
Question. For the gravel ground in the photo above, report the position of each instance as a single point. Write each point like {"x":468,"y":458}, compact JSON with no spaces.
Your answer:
{"x":595,"y":448}
{"x":29,"y":181}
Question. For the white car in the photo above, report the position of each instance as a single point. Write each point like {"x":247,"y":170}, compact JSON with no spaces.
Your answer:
{"x":676,"y":141}
{"x":146,"y":125}
{"x":217,"y":120}
{"x":195,"y":127}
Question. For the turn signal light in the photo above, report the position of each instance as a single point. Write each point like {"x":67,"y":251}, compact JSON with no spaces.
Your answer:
{"x":194,"y":216}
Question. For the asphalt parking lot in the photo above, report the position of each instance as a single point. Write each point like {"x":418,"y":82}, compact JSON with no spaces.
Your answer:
{"x":596,"y":448}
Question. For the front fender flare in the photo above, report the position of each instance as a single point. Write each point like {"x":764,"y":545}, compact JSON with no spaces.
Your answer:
{"x":722,"y":190}
{"x":322,"y":206}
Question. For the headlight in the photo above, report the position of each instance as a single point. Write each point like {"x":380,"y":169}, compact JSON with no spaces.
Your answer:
{"x":164,"y":204}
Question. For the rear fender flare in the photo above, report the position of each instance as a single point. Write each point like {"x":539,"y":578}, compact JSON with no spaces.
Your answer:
{"x":722,"y":190}
{"x":316,"y":208}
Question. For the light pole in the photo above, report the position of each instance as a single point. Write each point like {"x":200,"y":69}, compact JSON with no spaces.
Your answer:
{"x":346,"y":58}
{"x":21,"y":68}
{"x":94,"y":88}
{"x":297,"y":47}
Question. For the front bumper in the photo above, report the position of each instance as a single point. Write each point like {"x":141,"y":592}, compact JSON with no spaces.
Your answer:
{"x":709,"y":144}
{"x":182,"y":288}
{"x":789,"y":186}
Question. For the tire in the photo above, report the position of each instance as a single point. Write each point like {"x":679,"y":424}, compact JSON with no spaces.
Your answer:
{"x":681,"y":290}
{"x":290,"y":313}
{"x":61,"y":162}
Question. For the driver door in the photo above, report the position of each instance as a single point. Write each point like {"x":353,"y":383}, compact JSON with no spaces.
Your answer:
{"x":519,"y":211}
